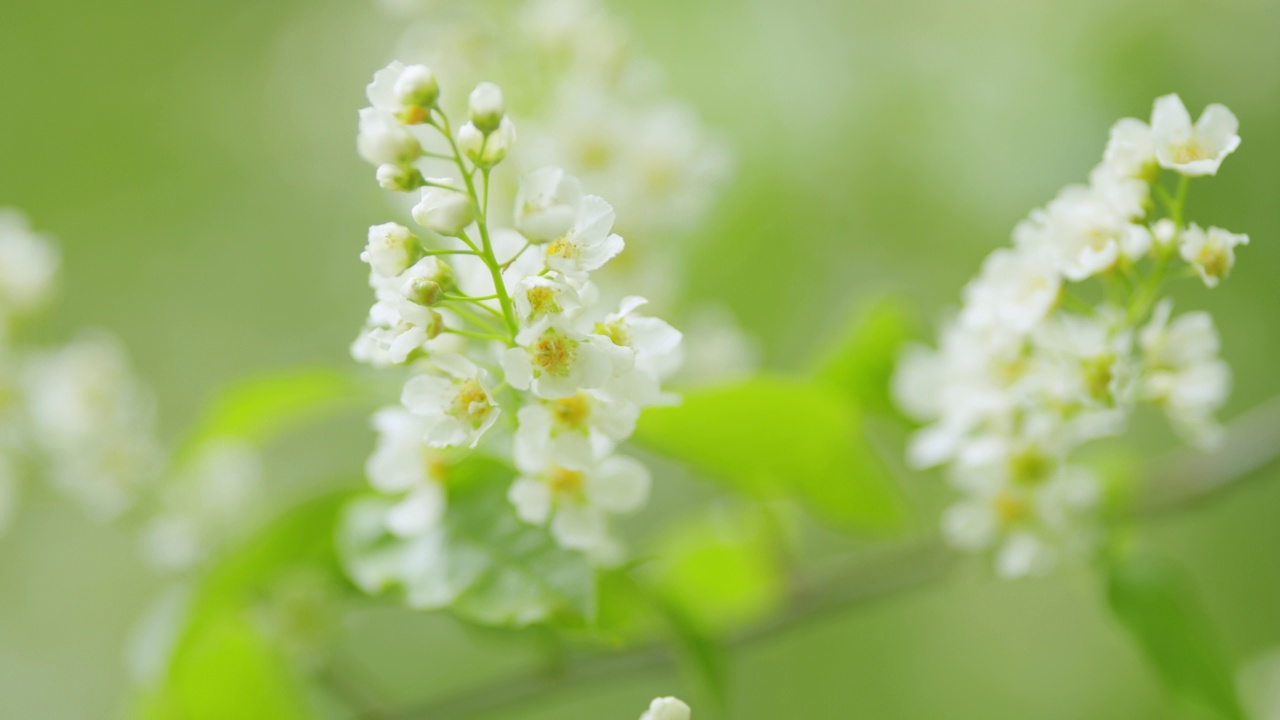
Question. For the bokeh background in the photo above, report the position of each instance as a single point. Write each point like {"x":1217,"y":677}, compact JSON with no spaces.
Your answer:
{"x":196,"y":161}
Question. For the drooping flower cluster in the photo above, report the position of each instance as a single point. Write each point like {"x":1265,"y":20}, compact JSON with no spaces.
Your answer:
{"x":591,"y":103}
{"x":510,"y":351}
{"x":1038,"y":362}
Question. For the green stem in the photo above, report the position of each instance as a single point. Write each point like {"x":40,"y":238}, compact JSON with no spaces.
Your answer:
{"x":476,"y":335}
{"x":486,"y":249}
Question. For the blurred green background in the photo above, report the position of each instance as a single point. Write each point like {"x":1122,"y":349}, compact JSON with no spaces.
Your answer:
{"x":196,"y":161}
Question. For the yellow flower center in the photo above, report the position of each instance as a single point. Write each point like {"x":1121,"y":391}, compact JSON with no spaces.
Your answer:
{"x":1098,"y":373}
{"x":1191,"y":151}
{"x":561,"y":248}
{"x":472,"y":403}
{"x":572,"y":412}
{"x":542,"y":300}
{"x":564,"y":481}
{"x":553,"y":353}
{"x":617,"y":331}
{"x":1011,"y":510}
{"x":1213,"y":260}
{"x":1030,"y":466}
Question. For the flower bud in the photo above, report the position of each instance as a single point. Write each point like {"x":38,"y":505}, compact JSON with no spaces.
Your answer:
{"x":486,"y":107}
{"x":667,"y":708}
{"x":384,"y":140}
{"x":427,"y":281}
{"x":391,"y":249}
{"x":444,"y":211}
{"x":417,"y":88}
{"x":487,"y":150}
{"x":399,"y":178}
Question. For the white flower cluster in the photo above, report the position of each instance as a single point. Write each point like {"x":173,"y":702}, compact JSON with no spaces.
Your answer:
{"x":591,"y":103}
{"x":503,"y":330}
{"x":1031,"y":368}
{"x":75,"y":413}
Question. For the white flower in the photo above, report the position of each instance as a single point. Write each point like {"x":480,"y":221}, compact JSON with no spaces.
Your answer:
{"x":554,"y":361}
{"x":28,"y":265}
{"x":547,"y":204}
{"x":404,"y":91}
{"x":1184,"y":373}
{"x":577,"y":501}
{"x":385,"y":140}
{"x":667,"y":708}
{"x":485,"y":106}
{"x":539,"y":296}
{"x":650,"y":351}
{"x":1085,"y":229}
{"x":444,"y":211}
{"x":1193,"y":150}
{"x":1024,"y":523}
{"x":402,"y":464}
{"x":212,"y":499}
{"x":1211,"y":252}
{"x":458,"y":407}
{"x":573,"y":431}
{"x":391,"y":249}
{"x":1016,"y":290}
{"x":93,"y":421}
{"x":397,"y":326}
{"x":589,"y":242}
{"x":1131,"y":149}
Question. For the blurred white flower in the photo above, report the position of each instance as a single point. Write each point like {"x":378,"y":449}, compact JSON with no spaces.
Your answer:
{"x":28,"y":266}
{"x":577,"y":501}
{"x":1193,"y":150}
{"x":94,"y":422}
{"x":667,"y":708}
{"x":1211,"y":252}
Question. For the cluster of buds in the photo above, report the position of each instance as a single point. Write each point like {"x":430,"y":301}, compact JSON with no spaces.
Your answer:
{"x":509,"y":349}
{"x":1035,"y":365}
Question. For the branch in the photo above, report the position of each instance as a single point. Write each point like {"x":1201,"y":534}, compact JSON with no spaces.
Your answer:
{"x":864,"y":581}
{"x":1181,"y":478}
{"x":1251,"y":445}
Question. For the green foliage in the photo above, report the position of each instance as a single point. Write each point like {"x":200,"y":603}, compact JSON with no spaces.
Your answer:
{"x":771,"y":437}
{"x":1157,"y":603}
{"x":229,"y":660}
{"x":720,"y":571}
{"x":259,"y":409}
{"x":484,"y":563}
{"x":861,"y":365}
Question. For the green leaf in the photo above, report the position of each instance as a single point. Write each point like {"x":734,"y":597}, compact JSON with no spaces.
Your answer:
{"x":1156,"y":602}
{"x":226,"y":662}
{"x":773,"y":436}
{"x":259,"y":409}
{"x":720,"y":570}
{"x":483,"y":562}
{"x":228,"y":669}
{"x":861,"y":367}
